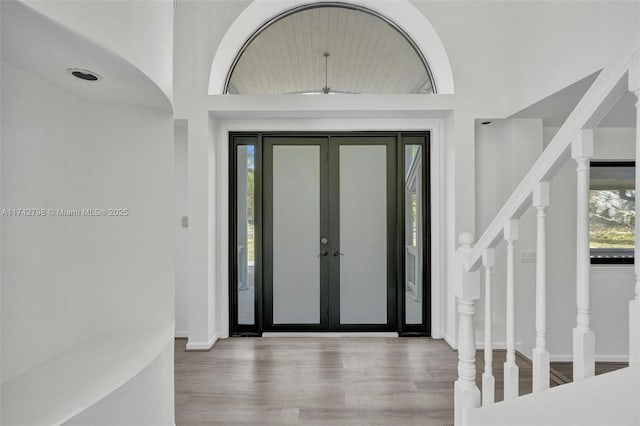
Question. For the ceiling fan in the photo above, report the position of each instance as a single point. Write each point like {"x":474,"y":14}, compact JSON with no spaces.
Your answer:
{"x":326,"y":90}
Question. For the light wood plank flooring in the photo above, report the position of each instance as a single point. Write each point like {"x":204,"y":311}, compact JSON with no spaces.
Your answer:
{"x":325,"y":381}
{"x":316,"y":381}
{"x":565,"y":369}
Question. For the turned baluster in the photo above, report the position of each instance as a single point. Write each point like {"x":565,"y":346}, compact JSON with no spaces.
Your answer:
{"x":540,"y":352}
{"x":511,"y":371}
{"x":583,"y":336}
{"x":488,"y":381}
{"x":466,"y":392}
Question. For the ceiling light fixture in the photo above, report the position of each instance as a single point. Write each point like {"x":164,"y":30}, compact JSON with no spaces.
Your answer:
{"x":326,"y":89}
{"x":83,"y":74}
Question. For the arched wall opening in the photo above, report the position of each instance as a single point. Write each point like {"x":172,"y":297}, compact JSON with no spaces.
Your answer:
{"x":209,"y":174}
{"x":401,"y":13}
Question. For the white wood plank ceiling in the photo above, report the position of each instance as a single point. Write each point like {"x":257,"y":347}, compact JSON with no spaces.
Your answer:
{"x":366,"y":55}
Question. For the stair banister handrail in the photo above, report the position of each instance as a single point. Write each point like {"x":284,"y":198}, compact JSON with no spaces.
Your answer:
{"x":596,"y":102}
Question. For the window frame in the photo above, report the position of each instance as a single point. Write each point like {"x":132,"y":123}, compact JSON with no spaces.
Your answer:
{"x":327,"y":4}
{"x":403,"y":138}
{"x":609,"y":261}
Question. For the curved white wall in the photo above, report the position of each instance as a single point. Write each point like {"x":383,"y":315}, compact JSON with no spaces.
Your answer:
{"x":146,"y":400}
{"x":139,"y":31}
{"x":39,"y":286}
{"x":65,"y":278}
{"x":72,"y":278}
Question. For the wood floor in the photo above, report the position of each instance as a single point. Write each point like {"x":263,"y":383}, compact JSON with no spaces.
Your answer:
{"x":325,"y":381}
{"x":565,"y":369}
{"x":316,"y":381}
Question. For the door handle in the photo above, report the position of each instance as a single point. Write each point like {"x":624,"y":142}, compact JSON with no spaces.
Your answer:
{"x":336,"y":253}
{"x":323,"y":254}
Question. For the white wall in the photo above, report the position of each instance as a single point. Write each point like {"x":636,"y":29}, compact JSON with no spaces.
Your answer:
{"x":181,"y":199}
{"x":33,"y":172}
{"x":146,"y":400}
{"x":504,"y":156}
{"x":199,"y":28}
{"x":506,"y":55}
{"x":582,"y":36}
{"x":473,"y":35}
{"x":505,"y":152}
{"x":65,"y":278}
{"x":499,"y":64}
{"x":141,"y":32}
{"x":69,"y":145}
{"x":1,"y":206}
{"x":611,"y":285}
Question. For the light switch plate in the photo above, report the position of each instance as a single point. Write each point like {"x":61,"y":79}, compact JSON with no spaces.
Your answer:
{"x":528,"y":257}
{"x":185,"y":221}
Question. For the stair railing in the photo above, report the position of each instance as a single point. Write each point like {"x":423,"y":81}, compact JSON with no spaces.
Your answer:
{"x":575,"y":138}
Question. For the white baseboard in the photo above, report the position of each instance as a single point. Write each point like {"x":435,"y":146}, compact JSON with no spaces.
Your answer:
{"x":496,"y":345}
{"x":347,"y":334}
{"x":181,"y":334}
{"x":479,"y":344}
{"x":451,"y":342}
{"x":202,"y":346}
{"x":599,"y":358}
{"x":554,"y":357}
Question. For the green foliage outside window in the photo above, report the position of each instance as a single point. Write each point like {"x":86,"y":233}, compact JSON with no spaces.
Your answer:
{"x":612,"y":213}
{"x":612,"y":218}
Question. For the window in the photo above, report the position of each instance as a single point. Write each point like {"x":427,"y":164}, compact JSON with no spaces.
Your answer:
{"x":612,"y":212}
{"x":330,"y":48}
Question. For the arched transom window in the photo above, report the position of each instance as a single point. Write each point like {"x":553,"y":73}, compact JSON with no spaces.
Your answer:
{"x":329,"y":48}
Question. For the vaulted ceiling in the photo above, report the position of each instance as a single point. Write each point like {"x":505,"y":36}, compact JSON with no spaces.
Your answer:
{"x":555,"y":108}
{"x":366,"y":55}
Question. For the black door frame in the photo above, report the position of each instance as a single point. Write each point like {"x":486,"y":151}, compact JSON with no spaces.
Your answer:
{"x":236,"y":141}
{"x":421,"y":139}
{"x":389,"y":141}
{"x":268,"y":142}
{"x":396,"y":260}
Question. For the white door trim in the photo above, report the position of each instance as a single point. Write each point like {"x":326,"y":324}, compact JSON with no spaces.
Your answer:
{"x":220,"y":133}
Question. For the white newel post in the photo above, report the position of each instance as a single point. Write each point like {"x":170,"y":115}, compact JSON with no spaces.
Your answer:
{"x":634,"y":305}
{"x":488,"y":381}
{"x":583,"y":336}
{"x":466,"y":392}
{"x":540,"y":352}
{"x":511,"y":370}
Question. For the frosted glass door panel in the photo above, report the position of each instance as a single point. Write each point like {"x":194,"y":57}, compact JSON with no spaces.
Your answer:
{"x":296,"y":232}
{"x":363,"y":234}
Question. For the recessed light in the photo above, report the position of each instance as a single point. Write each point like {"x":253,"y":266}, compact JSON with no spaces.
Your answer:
{"x":84,"y":74}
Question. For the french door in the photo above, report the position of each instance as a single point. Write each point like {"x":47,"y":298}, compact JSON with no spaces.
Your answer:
{"x":323,"y":245}
{"x":328,"y":225}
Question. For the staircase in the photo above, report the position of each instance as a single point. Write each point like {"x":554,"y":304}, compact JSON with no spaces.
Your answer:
{"x":612,"y":398}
